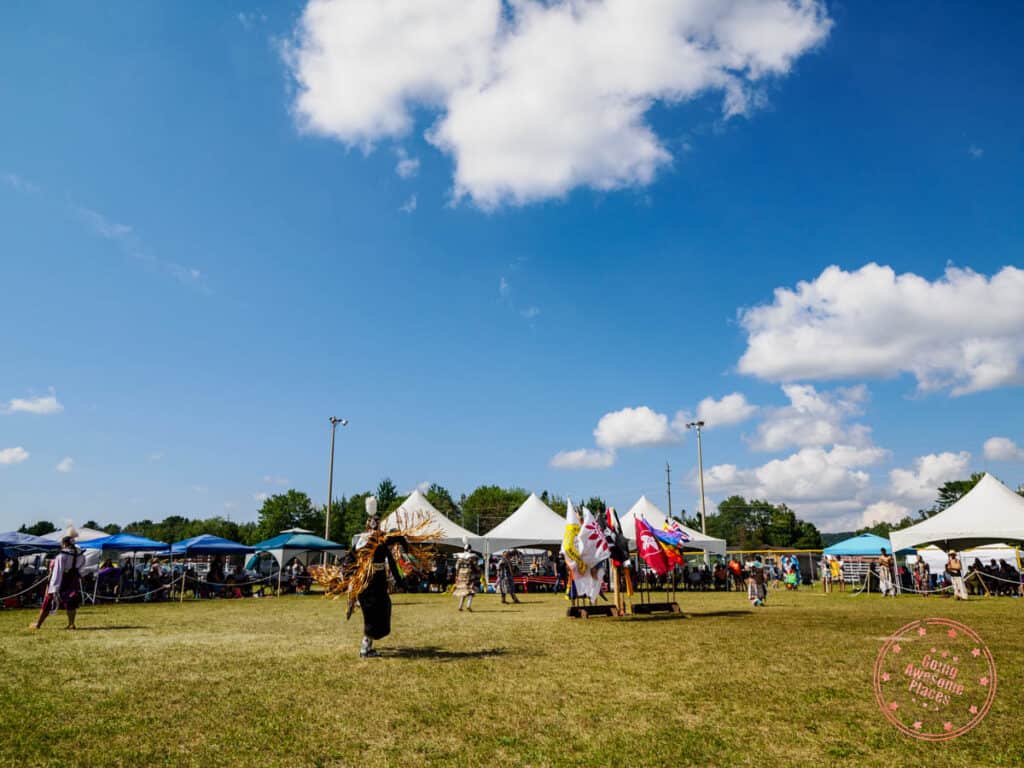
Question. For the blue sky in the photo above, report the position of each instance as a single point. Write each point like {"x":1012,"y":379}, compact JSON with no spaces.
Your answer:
{"x":207,"y":248}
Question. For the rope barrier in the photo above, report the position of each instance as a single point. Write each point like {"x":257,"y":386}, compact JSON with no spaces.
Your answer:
{"x":26,"y":591}
{"x":117,"y":598}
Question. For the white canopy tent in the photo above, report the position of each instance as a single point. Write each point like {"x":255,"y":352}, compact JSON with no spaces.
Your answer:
{"x":645,"y":509}
{"x":417,"y":507}
{"x":990,"y":513}
{"x":93,"y":557}
{"x":533,"y":524}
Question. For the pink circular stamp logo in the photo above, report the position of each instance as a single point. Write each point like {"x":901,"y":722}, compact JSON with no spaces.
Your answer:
{"x":935,"y":679}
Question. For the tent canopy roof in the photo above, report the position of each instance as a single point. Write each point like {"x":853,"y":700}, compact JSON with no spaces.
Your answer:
{"x":300,"y":541}
{"x":124,"y":542}
{"x":533,"y":523}
{"x":645,"y":509}
{"x":15,"y":543}
{"x":989,"y":513}
{"x":84,"y":534}
{"x":416,"y":507}
{"x":208,"y":544}
{"x":864,"y":545}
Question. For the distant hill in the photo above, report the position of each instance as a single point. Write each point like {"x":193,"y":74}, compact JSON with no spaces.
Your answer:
{"x":828,"y":539}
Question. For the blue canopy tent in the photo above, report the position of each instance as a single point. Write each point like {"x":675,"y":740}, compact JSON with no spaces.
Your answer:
{"x":864,"y":545}
{"x":295,"y":544}
{"x":15,"y":544}
{"x":128,"y":542}
{"x":208,"y":544}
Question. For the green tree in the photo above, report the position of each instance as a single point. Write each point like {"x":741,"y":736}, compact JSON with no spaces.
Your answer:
{"x":596,"y":505}
{"x":952,"y":491}
{"x":386,"y":495}
{"x":288,"y":510}
{"x":442,"y":500}
{"x":39,"y":529}
{"x":488,"y":505}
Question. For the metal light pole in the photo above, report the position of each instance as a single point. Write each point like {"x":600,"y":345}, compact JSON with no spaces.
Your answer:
{"x":698,"y":425}
{"x":668,"y":487}
{"x":335,"y":421}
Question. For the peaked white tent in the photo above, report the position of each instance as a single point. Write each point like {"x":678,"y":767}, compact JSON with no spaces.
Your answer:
{"x":645,"y":509}
{"x":417,"y":507}
{"x":533,"y":524}
{"x":990,"y":513}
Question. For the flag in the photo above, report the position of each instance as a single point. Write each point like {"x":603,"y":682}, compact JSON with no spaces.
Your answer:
{"x":618,"y":547}
{"x":593,"y":549}
{"x":581,"y":580}
{"x":673,"y":526}
{"x":649,"y":548}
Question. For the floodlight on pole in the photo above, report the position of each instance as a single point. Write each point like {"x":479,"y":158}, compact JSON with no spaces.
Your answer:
{"x":699,"y":425}
{"x":335,"y":421}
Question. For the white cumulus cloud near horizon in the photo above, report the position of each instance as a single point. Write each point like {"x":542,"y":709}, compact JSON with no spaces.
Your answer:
{"x":65,"y":465}
{"x":533,"y":99}
{"x":1002,"y":449}
{"x":920,"y":483}
{"x":962,"y":332}
{"x":813,"y":418}
{"x":45,"y":405}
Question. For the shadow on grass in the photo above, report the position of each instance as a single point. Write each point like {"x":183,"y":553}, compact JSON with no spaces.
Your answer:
{"x":110,"y":629}
{"x":439,"y":654}
{"x":713,"y":614}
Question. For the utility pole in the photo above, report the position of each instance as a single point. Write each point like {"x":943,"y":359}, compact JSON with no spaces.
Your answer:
{"x":698,"y":425}
{"x":335,"y":421}
{"x":668,"y":487}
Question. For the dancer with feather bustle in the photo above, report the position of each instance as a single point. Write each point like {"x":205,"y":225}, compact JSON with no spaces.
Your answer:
{"x":398,"y":552}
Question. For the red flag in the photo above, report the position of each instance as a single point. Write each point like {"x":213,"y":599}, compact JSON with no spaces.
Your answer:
{"x":649,"y":549}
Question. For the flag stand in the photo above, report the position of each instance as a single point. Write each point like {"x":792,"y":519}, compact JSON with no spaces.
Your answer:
{"x":647,"y":606}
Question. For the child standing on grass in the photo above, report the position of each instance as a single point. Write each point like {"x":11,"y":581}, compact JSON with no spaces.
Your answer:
{"x":755,"y":582}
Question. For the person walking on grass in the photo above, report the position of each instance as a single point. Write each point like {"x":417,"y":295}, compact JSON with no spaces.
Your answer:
{"x":955,"y":570}
{"x":836,"y":567}
{"x":885,"y":585}
{"x":756,"y":592}
{"x":65,"y":584}
{"x":506,"y":578}
{"x":467,"y":577}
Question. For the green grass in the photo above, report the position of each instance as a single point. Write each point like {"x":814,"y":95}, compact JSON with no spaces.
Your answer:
{"x":277,"y":682}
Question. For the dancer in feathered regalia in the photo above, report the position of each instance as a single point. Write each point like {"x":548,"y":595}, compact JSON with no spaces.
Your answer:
{"x":467,"y":576}
{"x":400,"y":552}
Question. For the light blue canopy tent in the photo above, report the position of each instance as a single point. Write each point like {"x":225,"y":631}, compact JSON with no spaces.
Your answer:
{"x":295,"y":544}
{"x":15,"y":544}
{"x":125,"y":542}
{"x":208,"y":544}
{"x":864,"y":545}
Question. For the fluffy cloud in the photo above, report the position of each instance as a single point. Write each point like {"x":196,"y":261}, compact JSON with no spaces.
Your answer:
{"x":407,"y":167}
{"x":41,"y":406}
{"x":14,"y":455}
{"x":628,"y":428}
{"x":883,"y":512}
{"x":632,"y":428}
{"x":1003,"y":449}
{"x":66,"y":464}
{"x":275,"y":480}
{"x":921,"y":483}
{"x":812,"y":418}
{"x":963,"y":332}
{"x":584,"y":458}
{"x":553,"y":95}
{"x":810,"y":475}
{"x":731,"y":409}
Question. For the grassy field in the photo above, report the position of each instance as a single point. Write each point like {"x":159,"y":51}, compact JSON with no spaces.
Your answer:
{"x":277,"y":682}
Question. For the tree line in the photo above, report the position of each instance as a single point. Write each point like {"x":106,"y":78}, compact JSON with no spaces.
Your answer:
{"x":745,"y":524}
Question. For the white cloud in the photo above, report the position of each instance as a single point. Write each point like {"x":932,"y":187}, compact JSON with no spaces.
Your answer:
{"x":810,"y":475}
{"x":504,"y":289}
{"x":883,"y":512}
{"x":963,"y":332}
{"x":260,"y":497}
{"x":812,"y":418}
{"x":250,"y":20}
{"x":632,"y":428}
{"x":407,"y":167}
{"x":583,"y":458}
{"x":921,"y":483}
{"x":530,"y":312}
{"x":275,"y":480}
{"x":66,"y":464}
{"x":14,"y":455}
{"x":229,"y":505}
{"x":409,"y":205}
{"x":975,"y":151}
{"x":19,"y":183}
{"x":41,"y":406}
{"x":1003,"y":449}
{"x":553,"y":96}
{"x":731,"y":409}
{"x":155,"y":456}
